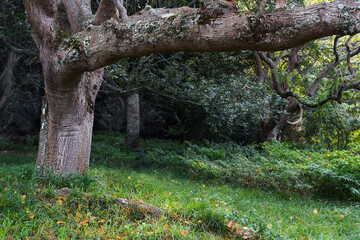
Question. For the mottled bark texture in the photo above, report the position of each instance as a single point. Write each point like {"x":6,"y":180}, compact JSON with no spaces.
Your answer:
{"x":74,"y":44}
{"x":133,"y":120}
{"x":68,"y":106}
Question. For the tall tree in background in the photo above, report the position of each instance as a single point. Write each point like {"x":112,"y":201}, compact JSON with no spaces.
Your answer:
{"x":74,"y":46}
{"x":133,"y":120}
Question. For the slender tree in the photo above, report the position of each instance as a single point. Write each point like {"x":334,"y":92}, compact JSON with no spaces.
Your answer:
{"x":133,"y":120}
{"x":75,"y":46}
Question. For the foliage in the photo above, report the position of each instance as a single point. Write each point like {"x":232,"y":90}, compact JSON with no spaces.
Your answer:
{"x":211,"y":95}
{"x":277,"y":167}
{"x":20,"y":114}
{"x":322,"y":172}
{"x":330,"y":126}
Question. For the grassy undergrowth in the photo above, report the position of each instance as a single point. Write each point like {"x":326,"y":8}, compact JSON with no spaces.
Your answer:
{"x":276,"y":167}
{"x":199,"y":205}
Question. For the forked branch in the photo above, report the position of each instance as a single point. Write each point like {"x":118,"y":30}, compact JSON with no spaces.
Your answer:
{"x":41,"y":15}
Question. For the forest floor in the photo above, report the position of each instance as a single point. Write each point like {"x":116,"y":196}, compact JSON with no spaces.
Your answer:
{"x":193,"y":207}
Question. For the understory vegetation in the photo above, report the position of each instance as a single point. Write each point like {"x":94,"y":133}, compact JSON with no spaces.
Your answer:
{"x":203,"y":190}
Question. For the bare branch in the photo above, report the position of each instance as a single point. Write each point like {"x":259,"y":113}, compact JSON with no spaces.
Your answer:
{"x":275,"y":76}
{"x":315,"y":86}
{"x":171,"y":97}
{"x":352,"y":86}
{"x":120,"y":91}
{"x":348,"y":56}
{"x":17,"y":49}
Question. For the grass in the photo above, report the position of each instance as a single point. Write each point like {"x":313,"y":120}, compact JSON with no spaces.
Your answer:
{"x":196,"y":209}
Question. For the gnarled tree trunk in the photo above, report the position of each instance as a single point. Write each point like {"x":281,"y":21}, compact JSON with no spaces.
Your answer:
{"x":66,"y":127}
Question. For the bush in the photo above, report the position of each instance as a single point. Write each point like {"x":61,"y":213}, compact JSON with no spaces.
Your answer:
{"x":321,"y":172}
{"x":334,"y":174}
{"x":277,"y":167}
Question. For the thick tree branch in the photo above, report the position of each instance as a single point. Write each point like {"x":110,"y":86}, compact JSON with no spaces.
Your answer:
{"x":186,"y":29}
{"x":78,"y":13}
{"x":41,"y":15}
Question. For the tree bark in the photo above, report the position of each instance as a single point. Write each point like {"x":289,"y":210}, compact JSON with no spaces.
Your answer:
{"x":66,"y":128}
{"x":133,"y":120}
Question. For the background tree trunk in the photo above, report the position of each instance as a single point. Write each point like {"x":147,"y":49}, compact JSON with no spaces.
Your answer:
{"x":133,"y":120}
{"x":6,"y":77}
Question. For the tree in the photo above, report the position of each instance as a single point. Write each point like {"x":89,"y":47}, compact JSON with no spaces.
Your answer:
{"x":75,"y":46}
{"x":339,"y":75}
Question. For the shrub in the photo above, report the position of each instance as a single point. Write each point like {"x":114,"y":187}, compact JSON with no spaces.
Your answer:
{"x":277,"y":167}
